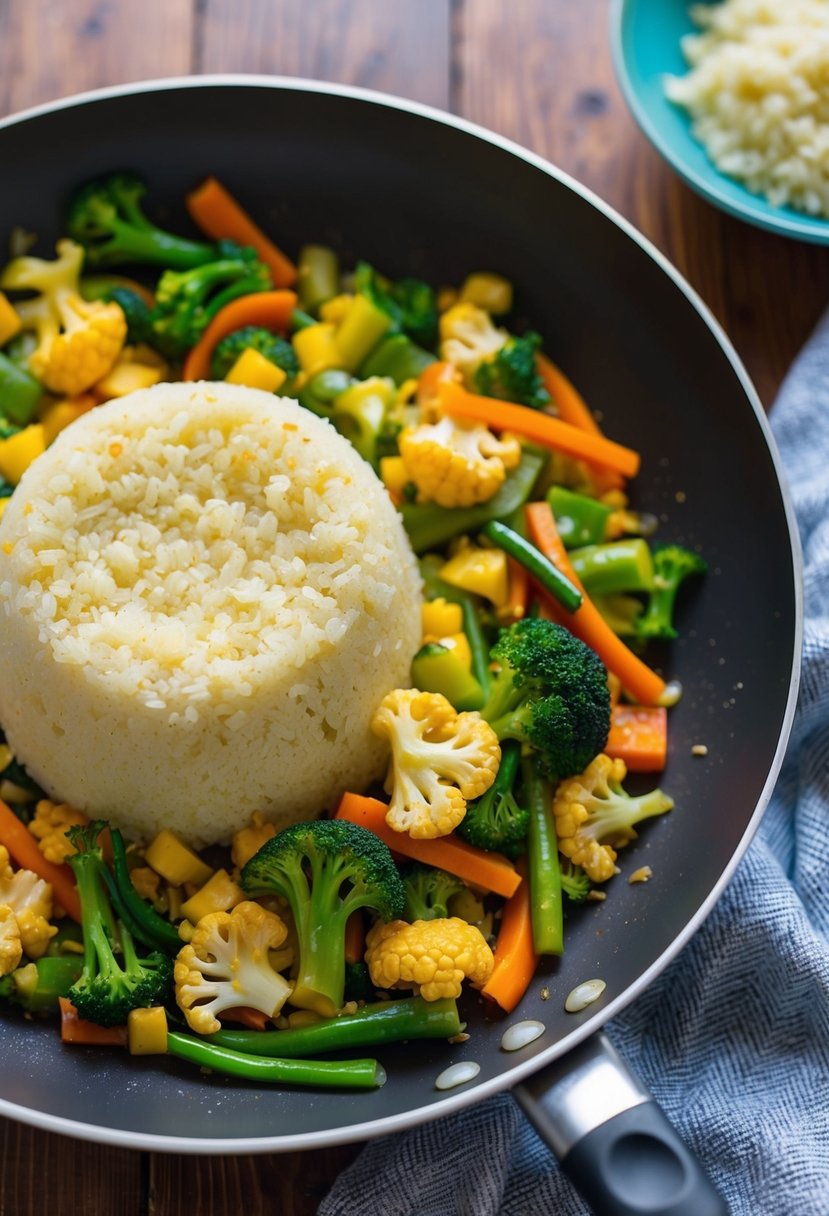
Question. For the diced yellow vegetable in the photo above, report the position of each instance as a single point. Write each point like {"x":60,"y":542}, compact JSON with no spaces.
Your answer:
{"x":316,"y":348}
{"x":491,"y":292}
{"x":175,"y":861}
{"x":334,"y":310}
{"x":58,"y":414}
{"x":175,"y":899}
{"x":459,"y":644}
{"x":127,"y":378}
{"x":255,"y":371}
{"x":481,"y":571}
{"x":147,"y":1031}
{"x":18,"y":451}
{"x":393,"y":473}
{"x":219,"y":894}
{"x":10,"y":323}
{"x":440,"y":617}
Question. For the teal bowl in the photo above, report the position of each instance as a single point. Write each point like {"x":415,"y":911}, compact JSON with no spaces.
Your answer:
{"x":645,"y":40}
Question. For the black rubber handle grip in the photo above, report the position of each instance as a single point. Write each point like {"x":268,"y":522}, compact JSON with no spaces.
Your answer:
{"x":635,"y":1163}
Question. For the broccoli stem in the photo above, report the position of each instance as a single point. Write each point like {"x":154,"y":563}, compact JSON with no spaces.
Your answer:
{"x":381,"y":1022}
{"x":546,"y":904}
{"x":616,"y":567}
{"x":538,"y":566}
{"x":320,"y":983}
{"x":327,"y":1074}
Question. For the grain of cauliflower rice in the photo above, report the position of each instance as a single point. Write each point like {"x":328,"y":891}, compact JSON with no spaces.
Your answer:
{"x":205,"y":593}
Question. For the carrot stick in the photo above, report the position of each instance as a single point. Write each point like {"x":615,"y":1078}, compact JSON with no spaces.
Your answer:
{"x":244,"y":1015}
{"x":572,"y":408}
{"x":639,"y":736}
{"x":355,"y":938}
{"x":587,"y":623}
{"x":217,"y":213}
{"x":75,"y":1029}
{"x":22,"y":846}
{"x":270,"y":309}
{"x":515,"y":956}
{"x":518,"y":592}
{"x":490,"y":871}
{"x":430,"y":380}
{"x":540,"y":427}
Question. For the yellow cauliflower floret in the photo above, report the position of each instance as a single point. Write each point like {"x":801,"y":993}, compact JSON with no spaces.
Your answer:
{"x":432,"y":957}
{"x":439,"y":760}
{"x":78,"y":340}
{"x":146,"y":882}
{"x":226,"y":965}
{"x":49,"y":825}
{"x":468,"y":337}
{"x":595,"y":816}
{"x":456,"y":464}
{"x":248,"y":841}
{"x":30,"y":899}
{"x":11,"y":948}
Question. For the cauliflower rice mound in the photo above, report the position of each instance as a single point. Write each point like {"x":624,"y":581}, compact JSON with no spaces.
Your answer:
{"x":758,"y":94}
{"x":205,"y":594}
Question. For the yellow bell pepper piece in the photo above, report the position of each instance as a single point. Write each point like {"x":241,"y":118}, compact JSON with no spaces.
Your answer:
{"x":10,"y":323}
{"x":219,"y":894}
{"x":58,"y":414}
{"x":316,"y":348}
{"x":481,"y":571}
{"x":393,"y":473}
{"x":18,"y":451}
{"x":174,"y":861}
{"x":128,"y":377}
{"x":440,"y":618}
{"x":334,"y":310}
{"x":147,"y":1031}
{"x":255,"y":371}
{"x":491,"y":292}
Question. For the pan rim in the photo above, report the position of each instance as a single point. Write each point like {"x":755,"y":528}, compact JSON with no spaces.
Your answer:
{"x":515,"y":1072}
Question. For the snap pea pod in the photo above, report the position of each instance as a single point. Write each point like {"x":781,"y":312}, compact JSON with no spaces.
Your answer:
{"x":328,"y":1074}
{"x":541,"y":568}
{"x":380,"y":1022}
{"x":613,"y":567}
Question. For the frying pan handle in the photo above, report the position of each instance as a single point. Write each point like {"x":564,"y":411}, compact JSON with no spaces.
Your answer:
{"x":613,"y":1141}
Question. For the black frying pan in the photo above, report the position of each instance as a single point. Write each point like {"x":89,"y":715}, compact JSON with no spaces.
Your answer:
{"x":417,"y":192}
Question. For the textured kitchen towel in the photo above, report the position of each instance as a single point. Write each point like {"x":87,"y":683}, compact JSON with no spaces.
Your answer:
{"x":733,"y":1038}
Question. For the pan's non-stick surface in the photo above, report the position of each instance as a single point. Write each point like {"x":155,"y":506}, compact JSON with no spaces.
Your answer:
{"x":417,"y":195}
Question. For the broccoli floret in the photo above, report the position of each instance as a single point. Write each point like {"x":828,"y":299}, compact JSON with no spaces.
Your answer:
{"x":109,"y":986}
{"x":325,"y":870}
{"x":511,"y":374}
{"x":575,"y":883}
{"x":137,"y":312}
{"x":272,"y":346}
{"x":428,"y":891}
{"x":550,"y":693}
{"x":105,"y":217}
{"x":187,"y":300}
{"x":496,"y":821}
{"x":411,"y":303}
{"x":671,"y":566}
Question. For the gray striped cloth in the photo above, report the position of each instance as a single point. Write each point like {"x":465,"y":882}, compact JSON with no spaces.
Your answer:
{"x":733,"y":1039}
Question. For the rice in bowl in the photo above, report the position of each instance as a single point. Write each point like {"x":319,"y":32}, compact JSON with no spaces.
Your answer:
{"x":205,"y":592}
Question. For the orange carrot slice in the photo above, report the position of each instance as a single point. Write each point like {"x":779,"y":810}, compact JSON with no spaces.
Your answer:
{"x":270,"y":309}
{"x":515,"y":956}
{"x":218,"y":214}
{"x":639,"y":736}
{"x":75,"y":1029}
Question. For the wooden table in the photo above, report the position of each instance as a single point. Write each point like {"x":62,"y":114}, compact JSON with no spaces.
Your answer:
{"x":538,"y":71}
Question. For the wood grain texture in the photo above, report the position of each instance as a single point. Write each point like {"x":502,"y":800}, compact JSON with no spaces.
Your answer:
{"x":561,"y":99}
{"x":402,"y":48}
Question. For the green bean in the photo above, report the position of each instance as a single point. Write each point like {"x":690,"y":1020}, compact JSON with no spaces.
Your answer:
{"x":544,"y":867}
{"x":329,"y":1074}
{"x":541,"y":568}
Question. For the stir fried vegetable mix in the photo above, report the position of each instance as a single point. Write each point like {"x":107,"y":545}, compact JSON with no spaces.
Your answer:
{"x":531,"y":697}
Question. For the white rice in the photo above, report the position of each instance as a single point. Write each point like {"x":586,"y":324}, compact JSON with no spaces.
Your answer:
{"x":204,"y":594}
{"x":758,"y":94}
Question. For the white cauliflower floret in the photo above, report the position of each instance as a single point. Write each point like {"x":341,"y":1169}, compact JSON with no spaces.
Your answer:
{"x":226,"y":965}
{"x":468,"y":337}
{"x":11,"y":947}
{"x":30,"y":899}
{"x":457,"y":464}
{"x":439,"y":760}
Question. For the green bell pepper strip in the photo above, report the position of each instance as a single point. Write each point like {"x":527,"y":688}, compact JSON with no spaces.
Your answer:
{"x":20,"y":393}
{"x":328,"y":1074}
{"x":478,"y":645}
{"x":318,"y":276}
{"x":399,"y":357}
{"x":540,"y":568}
{"x":140,"y":917}
{"x":436,"y":668}
{"x":430,"y":527}
{"x":616,"y":567}
{"x":580,"y":520}
{"x":546,"y":904}
{"x":323,"y":389}
{"x":374,"y":1024}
